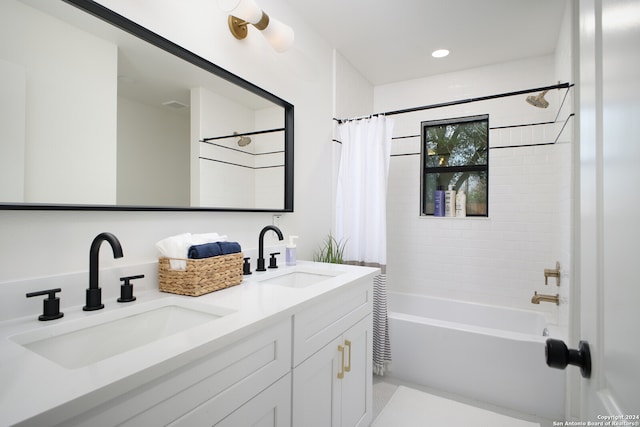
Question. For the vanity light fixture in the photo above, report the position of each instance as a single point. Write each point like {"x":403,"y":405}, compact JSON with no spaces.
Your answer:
{"x":244,"y":12}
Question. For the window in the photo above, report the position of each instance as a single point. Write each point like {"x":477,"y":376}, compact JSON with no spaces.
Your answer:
{"x":455,"y":152}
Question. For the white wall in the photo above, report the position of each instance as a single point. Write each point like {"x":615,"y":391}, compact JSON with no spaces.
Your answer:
{"x":566,"y":71}
{"x":38,"y":243}
{"x":214,"y":115}
{"x":353,"y":93}
{"x":353,"y":98}
{"x":12,"y":130}
{"x":268,"y":181}
{"x":153,"y":155}
{"x":500,"y":259}
{"x":70,"y":138}
{"x":232,"y":177}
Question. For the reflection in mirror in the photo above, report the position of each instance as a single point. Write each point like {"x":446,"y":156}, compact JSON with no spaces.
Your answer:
{"x":97,"y":118}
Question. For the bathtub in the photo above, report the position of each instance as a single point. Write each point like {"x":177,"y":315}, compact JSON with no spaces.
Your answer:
{"x":491,"y":354}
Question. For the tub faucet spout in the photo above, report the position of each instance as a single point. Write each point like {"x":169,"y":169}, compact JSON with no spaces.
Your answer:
{"x":94,"y":293}
{"x":536,"y":298}
{"x":261,"y":244}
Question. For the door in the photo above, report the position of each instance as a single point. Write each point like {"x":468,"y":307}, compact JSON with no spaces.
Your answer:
{"x":609,"y":87}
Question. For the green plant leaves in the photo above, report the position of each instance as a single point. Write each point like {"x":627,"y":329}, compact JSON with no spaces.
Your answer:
{"x":331,"y":251}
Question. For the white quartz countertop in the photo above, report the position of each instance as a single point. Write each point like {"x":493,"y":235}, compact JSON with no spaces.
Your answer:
{"x":31,"y":384}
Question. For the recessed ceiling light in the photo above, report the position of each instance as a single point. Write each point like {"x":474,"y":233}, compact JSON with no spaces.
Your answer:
{"x":440,"y":53}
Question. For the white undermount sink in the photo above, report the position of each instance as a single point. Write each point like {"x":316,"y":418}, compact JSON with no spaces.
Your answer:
{"x":301,"y":277}
{"x":83,"y":342}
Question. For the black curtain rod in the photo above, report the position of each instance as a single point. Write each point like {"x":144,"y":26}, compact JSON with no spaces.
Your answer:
{"x":522,"y":125}
{"x":491,"y":128}
{"x":243,"y":151}
{"x":239,"y":165}
{"x":498,"y":147}
{"x":235,"y":135}
{"x":468,"y":100}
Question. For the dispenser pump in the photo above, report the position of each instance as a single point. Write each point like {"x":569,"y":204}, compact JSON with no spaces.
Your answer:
{"x":290,"y":258}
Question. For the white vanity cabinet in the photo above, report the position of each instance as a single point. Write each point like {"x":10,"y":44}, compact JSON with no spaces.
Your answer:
{"x":332,"y":361}
{"x":290,"y":358}
{"x":252,"y":373}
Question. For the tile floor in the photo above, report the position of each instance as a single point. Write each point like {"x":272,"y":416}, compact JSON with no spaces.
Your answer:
{"x":478,"y":413}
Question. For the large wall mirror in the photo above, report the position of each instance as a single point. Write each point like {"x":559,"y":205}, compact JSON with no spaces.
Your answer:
{"x":99,"y":113}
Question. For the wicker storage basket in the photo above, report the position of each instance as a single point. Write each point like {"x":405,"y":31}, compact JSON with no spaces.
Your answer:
{"x":201,"y":275}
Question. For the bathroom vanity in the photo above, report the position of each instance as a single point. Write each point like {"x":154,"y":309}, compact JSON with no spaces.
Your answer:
{"x":290,"y":346}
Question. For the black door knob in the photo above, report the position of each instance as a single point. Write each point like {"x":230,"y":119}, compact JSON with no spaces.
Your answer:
{"x":559,"y":356}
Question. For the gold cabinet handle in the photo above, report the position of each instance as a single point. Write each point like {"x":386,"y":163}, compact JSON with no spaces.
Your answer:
{"x":348,"y":367}
{"x":341,"y":373}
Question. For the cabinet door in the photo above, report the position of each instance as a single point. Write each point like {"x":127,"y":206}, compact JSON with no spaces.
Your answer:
{"x":356,"y":405}
{"x":271,"y":408}
{"x":316,"y":397}
{"x":321,"y":397}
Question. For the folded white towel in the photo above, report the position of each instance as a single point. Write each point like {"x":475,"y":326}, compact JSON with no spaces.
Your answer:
{"x":201,"y":239}
{"x":175,"y":247}
{"x":178,"y":246}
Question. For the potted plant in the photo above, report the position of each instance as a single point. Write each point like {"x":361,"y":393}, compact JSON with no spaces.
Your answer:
{"x":330,"y":251}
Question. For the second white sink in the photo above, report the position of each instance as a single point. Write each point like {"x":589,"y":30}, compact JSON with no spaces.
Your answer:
{"x":116,"y":332}
{"x":297,"y":279}
{"x":303,"y":276}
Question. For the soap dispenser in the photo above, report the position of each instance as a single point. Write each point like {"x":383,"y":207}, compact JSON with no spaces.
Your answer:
{"x":290,"y":254}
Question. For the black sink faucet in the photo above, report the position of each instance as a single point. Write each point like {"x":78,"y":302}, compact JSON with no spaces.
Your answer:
{"x":94,"y":293}
{"x":261,"y":245}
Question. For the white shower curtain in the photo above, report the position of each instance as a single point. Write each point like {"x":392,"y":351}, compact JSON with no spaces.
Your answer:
{"x":361,"y":213}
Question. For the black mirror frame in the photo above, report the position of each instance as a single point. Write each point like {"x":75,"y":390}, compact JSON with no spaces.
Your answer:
{"x":143,"y":33}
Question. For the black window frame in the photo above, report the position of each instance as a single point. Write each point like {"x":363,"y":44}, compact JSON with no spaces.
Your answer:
{"x":425,"y":170}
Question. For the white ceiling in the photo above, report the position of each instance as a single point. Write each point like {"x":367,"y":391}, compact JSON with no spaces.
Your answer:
{"x":390,"y":41}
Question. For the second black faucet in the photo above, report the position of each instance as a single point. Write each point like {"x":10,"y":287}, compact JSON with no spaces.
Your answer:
{"x":261,"y":244}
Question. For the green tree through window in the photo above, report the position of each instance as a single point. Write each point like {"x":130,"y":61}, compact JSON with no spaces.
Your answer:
{"x":455,"y":152}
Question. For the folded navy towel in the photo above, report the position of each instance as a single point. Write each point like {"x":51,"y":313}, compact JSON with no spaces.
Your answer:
{"x":206,"y":250}
{"x":229,"y":247}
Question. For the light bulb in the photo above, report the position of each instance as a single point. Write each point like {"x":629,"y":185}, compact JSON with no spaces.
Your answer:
{"x":440,"y":53}
{"x":279,"y":35}
{"x":247,"y":10}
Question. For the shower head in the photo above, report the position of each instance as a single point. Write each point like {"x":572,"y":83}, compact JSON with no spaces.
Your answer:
{"x":538,"y":100}
{"x":243,"y":141}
